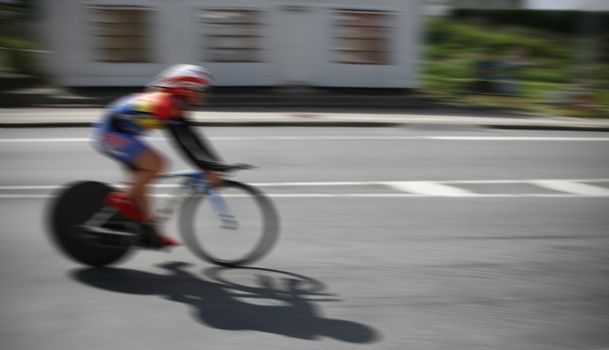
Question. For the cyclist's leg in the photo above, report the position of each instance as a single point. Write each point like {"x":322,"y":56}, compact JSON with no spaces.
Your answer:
{"x":127,"y":150}
{"x":143,"y":164}
{"x":146,"y":166}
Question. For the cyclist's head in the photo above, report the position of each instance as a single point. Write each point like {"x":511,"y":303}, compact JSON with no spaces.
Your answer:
{"x":185,"y":80}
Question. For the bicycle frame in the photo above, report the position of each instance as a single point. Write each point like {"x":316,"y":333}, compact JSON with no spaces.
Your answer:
{"x":93,"y":233}
{"x":195,"y":182}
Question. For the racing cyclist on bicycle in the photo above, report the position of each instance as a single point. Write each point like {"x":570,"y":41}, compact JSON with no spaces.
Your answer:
{"x":161,"y":106}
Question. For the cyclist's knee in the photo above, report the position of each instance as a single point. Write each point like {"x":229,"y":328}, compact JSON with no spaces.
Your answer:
{"x":162,"y":165}
{"x":151,"y":162}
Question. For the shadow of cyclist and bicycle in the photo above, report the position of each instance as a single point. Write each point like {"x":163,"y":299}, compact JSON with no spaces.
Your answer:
{"x":272,"y":301}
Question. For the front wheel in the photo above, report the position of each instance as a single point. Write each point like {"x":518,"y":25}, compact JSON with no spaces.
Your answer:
{"x":246,"y":237}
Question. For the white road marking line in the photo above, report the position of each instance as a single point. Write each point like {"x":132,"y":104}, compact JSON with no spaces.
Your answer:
{"x":229,"y":138}
{"x":430,"y":188}
{"x":330,"y":138}
{"x":41,"y":187}
{"x":43,"y":140}
{"x":516,"y":138}
{"x":356,"y":195}
{"x":369,"y":183}
{"x":306,"y":138}
{"x":347,"y":183}
{"x":414,"y":195}
{"x":572,"y":187}
{"x":386,"y":183}
{"x":326,"y":183}
{"x":517,"y":181}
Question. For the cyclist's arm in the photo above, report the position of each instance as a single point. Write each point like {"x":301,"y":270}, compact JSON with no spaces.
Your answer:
{"x":194,"y":146}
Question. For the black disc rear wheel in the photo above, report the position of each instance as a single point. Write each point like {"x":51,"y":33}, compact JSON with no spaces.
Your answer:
{"x":71,"y":208}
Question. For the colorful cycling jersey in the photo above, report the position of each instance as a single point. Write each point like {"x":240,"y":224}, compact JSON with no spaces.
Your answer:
{"x":137,"y":114}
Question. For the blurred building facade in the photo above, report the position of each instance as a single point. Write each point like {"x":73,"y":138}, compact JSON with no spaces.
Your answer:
{"x":443,"y":7}
{"x":332,"y":43}
{"x":586,"y":5}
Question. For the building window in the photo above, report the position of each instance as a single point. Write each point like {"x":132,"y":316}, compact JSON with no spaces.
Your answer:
{"x":232,"y":36}
{"x":122,"y":34}
{"x":362,"y":37}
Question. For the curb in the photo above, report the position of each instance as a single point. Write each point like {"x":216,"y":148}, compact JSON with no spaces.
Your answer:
{"x":86,"y":117}
{"x":354,"y":124}
{"x":550,"y":127}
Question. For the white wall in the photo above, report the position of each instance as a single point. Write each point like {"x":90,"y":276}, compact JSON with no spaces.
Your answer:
{"x":403,"y":49}
{"x":297,"y":43}
{"x":69,"y":38}
{"x":590,"y":5}
{"x":193,"y":43}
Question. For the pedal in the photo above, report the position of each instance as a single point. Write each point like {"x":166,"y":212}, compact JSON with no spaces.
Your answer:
{"x":104,"y":238}
{"x":106,"y":231}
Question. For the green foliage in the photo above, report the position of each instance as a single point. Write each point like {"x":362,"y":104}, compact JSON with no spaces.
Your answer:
{"x":449,"y":69}
{"x":552,"y":75}
{"x":19,"y":55}
{"x":603,"y":95}
{"x":453,"y":47}
{"x":16,"y":43}
{"x":562,"y":22}
{"x":17,"y":11}
{"x":445,"y":37}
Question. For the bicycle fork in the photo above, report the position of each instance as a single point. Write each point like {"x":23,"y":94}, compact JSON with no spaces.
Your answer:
{"x":200,"y":185}
{"x":221,"y":208}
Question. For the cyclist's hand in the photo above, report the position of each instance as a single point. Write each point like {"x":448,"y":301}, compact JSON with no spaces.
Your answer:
{"x":215,"y":178}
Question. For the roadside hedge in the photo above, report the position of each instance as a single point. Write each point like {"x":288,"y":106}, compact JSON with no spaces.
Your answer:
{"x":19,"y":56}
{"x":566,"y":22}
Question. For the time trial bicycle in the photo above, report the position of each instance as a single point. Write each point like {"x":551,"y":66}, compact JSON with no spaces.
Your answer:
{"x":232,"y":225}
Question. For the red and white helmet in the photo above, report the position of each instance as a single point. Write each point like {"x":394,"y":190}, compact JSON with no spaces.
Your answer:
{"x":183,"y":80}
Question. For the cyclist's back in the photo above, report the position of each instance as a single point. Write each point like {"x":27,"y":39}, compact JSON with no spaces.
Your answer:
{"x":138,"y":113}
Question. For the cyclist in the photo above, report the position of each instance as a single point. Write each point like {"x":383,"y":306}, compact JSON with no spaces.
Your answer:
{"x":161,"y":106}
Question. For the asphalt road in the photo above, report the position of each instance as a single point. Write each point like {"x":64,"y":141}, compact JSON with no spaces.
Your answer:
{"x":392,"y":238}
